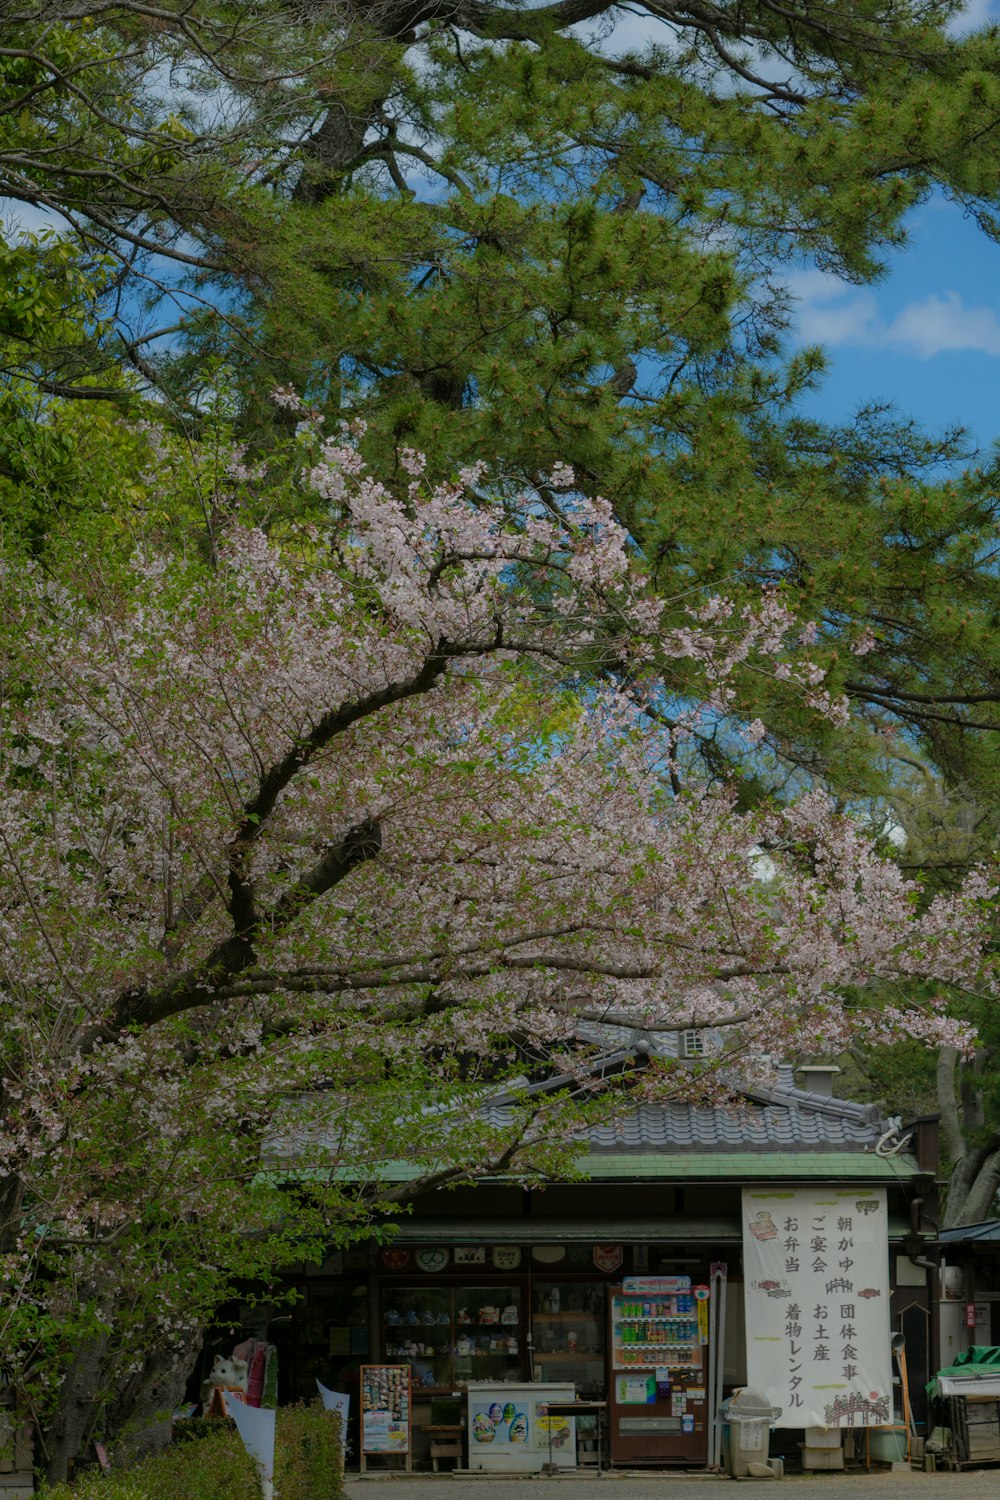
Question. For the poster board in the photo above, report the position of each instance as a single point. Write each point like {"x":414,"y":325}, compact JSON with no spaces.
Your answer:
{"x":386,"y":1412}
{"x":816,"y":1263}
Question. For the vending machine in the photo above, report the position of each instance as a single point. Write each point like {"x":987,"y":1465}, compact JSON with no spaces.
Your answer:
{"x":657,"y":1401}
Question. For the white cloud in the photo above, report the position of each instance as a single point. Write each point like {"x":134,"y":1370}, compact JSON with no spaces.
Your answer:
{"x":625,"y":31}
{"x":830,"y":312}
{"x":941,"y":324}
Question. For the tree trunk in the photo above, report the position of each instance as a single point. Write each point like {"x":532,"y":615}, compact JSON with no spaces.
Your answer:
{"x":131,"y":1412}
{"x":972,"y":1154}
{"x":331,"y":150}
{"x":72,"y":1424}
{"x":139,"y":1422}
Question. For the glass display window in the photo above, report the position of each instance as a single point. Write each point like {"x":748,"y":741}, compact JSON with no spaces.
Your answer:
{"x":451,"y":1335}
{"x":568,"y":1333}
{"x":489,"y":1341}
{"x":326,"y":1339}
{"x":419,"y":1332}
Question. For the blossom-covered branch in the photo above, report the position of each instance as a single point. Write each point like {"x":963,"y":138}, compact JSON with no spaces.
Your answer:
{"x":385,"y":806}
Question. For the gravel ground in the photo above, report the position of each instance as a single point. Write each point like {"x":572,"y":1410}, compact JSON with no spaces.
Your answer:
{"x":975,"y":1484}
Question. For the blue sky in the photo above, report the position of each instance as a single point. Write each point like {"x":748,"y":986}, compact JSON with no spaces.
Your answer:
{"x":927,"y":336}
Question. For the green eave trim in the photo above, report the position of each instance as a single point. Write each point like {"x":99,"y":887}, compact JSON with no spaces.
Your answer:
{"x":747,"y":1166}
{"x":714,"y":1166}
{"x":537,"y":1229}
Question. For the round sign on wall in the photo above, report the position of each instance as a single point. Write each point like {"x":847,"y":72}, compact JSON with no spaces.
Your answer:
{"x":432,"y":1259}
{"x":506,"y":1257}
{"x":548,"y":1254}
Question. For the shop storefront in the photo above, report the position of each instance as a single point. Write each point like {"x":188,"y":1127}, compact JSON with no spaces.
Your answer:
{"x":514,"y":1315}
{"x":604,"y":1287}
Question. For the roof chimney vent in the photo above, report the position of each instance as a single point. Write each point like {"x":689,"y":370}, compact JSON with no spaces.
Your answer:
{"x":818,"y":1078}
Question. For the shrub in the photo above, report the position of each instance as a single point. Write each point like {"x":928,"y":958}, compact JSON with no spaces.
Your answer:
{"x":308,"y":1461}
{"x":213,"y":1465}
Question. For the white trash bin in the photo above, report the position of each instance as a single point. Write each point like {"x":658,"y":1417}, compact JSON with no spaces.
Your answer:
{"x":747,"y":1418}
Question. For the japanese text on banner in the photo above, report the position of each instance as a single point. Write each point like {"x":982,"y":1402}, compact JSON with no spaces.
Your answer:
{"x":816,"y":1263}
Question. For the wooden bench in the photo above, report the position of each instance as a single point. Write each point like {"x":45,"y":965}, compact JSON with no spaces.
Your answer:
{"x":446,"y":1442}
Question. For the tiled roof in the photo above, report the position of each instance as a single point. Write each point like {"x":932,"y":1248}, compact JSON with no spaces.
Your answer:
{"x":778,"y":1130}
{"x":786,"y":1125}
{"x":986,"y":1229}
{"x":798,"y":1131}
{"x":779,"y":1119}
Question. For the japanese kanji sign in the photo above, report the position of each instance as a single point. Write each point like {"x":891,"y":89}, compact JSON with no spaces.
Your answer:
{"x":816,"y":1266}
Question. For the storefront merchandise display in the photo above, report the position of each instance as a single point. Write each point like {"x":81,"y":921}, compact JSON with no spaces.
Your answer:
{"x":451,"y":1335}
{"x":385,"y":1411}
{"x":567,"y":1324}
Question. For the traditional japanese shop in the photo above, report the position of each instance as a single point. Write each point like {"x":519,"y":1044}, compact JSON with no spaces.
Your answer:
{"x":586,"y":1315}
{"x":627,"y":1289}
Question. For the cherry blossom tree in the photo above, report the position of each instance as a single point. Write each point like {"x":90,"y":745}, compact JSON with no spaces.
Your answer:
{"x":379,"y":811}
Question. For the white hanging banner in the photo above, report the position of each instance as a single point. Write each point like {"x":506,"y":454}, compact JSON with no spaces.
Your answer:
{"x":255,"y":1425}
{"x":816,"y":1283}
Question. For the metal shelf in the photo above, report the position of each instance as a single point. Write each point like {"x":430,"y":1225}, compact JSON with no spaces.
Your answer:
{"x":675,"y":1343}
{"x":656,"y":1364}
{"x":658,"y":1318}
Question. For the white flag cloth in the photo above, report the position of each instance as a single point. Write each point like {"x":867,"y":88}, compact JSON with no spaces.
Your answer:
{"x":334,"y":1401}
{"x":816,"y":1268}
{"x":255,"y":1425}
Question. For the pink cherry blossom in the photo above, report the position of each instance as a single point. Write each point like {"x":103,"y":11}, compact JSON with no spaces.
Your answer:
{"x":390,"y":791}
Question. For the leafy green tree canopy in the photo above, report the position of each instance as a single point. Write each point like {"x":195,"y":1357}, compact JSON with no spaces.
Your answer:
{"x":536,"y":234}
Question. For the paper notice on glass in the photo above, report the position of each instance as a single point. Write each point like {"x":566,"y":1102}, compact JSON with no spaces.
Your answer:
{"x":335,"y":1401}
